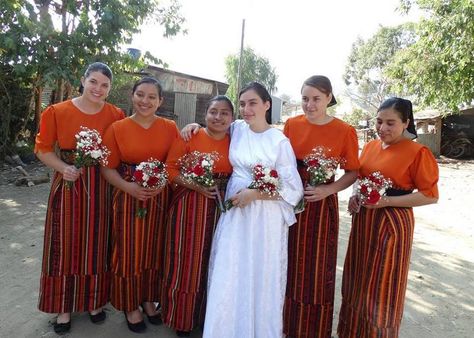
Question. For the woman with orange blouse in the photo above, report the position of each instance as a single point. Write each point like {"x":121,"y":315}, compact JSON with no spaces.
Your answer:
{"x":192,"y":218}
{"x":74,"y":274}
{"x":312,"y":242}
{"x":137,"y":242}
{"x":378,"y":256}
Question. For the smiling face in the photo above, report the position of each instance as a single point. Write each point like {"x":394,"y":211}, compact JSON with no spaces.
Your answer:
{"x":252,"y":107}
{"x":389,"y":126}
{"x":146,"y":99}
{"x":218,"y":117}
{"x":314,"y":102}
{"x":96,"y":87}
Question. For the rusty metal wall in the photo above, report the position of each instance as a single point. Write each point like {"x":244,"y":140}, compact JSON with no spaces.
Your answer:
{"x":185,"y":108}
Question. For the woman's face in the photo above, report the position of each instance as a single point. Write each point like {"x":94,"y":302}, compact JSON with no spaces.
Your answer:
{"x":96,"y":87}
{"x":252,"y":107}
{"x":314,"y":102}
{"x":218,"y":117}
{"x":389,"y":126}
{"x":146,"y":100}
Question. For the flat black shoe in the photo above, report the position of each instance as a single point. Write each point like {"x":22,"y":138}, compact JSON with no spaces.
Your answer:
{"x":155,"y":319}
{"x":135,"y":327}
{"x":98,"y":317}
{"x":183,"y":333}
{"x":62,"y":328}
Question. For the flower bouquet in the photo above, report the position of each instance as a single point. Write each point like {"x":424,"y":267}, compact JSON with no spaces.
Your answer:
{"x":320,"y":168}
{"x":265,"y":180}
{"x":89,"y":150}
{"x":150,"y":174}
{"x":197,"y":168}
{"x":371,"y":188}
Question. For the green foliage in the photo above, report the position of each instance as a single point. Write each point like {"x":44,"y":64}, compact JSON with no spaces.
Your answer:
{"x":368,"y":84}
{"x":46,"y":42}
{"x":356,"y":116}
{"x":439,"y":67}
{"x":254,"y":68}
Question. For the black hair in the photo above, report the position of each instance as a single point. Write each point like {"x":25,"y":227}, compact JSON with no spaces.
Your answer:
{"x":321,"y":83}
{"x":99,"y":67}
{"x":404,"y":109}
{"x":263,"y":93}
{"x":220,"y":98}
{"x":150,"y":80}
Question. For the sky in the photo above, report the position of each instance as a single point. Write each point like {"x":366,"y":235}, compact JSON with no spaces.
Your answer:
{"x":299,"y":37}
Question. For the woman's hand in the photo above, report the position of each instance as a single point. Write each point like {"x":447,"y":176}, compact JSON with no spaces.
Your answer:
{"x":189,"y":130}
{"x":210,"y":192}
{"x":383,"y":202}
{"x":313,"y":194}
{"x":71,"y":173}
{"x":244,"y":197}
{"x":354,"y":204}
{"x":139,"y":192}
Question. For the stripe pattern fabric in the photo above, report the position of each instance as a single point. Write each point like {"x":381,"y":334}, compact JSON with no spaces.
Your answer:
{"x":74,"y":276}
{"x":376,"y":272}
{"x":137,"y":247}
{"x":312,"y":260}
{"x":191,"y":224}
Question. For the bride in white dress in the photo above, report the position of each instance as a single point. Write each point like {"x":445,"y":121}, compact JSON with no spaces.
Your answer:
{"x":247,"y":273}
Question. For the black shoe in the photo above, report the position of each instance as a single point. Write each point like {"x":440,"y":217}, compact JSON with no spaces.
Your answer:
{"x":62,"y":328}
{"x":183,"y":333}
{"x":155,"y":319}
{"x":135,"y":327}
{"x":98,"y":317}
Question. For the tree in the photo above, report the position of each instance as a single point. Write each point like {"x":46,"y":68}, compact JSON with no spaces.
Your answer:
{"x":254,"y":68}
{"x":49,"y":42}
{"x":368,"y":85}
{"x":439,"y":67}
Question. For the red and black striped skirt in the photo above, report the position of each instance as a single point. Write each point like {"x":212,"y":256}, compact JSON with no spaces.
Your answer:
{"x":312,"y":260}
{"x":376,"y":272}
{"x":191,"y":224}
{"x":74,"y":275}
{"x":137,"y":247}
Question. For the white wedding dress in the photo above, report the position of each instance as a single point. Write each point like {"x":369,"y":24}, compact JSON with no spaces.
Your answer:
{"x":248,"y":266}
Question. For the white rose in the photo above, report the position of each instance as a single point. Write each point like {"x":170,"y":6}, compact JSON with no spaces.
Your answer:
{"x":96,"y":154}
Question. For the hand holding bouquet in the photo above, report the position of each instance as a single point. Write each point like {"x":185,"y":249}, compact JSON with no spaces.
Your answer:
{"x":198,"y":168}
{"x":152,"y":175}
{"x":265,"y":180}
{"x":321,"y":168}
{"x":371,"y":188}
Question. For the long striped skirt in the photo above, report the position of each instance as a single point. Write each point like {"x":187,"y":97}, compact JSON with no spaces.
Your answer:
{"x":137,"y":247}
{"x":312,"y":260}
{"x":74,"y":275}
{"x":376,"y":272}
{"x":191,"y":224}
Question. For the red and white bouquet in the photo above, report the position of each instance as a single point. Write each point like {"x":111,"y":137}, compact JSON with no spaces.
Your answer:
{"x":198,"y":168}
{"x":150,"y":174}
{"x":89,"y":150}
{"x":371,"y":188}
{"x":321,"y":168}
{"x":265,"y":180}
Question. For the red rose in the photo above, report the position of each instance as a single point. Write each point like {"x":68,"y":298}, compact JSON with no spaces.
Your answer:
{"x":274,"y":173}
{"x":138,"y":176}
{"x":152,"y":181}
{"x":373,"y":197}
{"x":363,"y":190}
{"x":198,"y":170}
{"x":313,"y":163}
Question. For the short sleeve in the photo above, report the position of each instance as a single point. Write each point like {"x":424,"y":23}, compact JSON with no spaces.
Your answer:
{"x":351,"y":150}
{"x":425,"y":173}
{"x":47,"y":136}
{"x":177,"y":150}
{"x":291,"y":189}
{"x":110,"y":142}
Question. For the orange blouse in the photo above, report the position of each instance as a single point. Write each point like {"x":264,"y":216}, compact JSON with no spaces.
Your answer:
{"x":338,"y":137}
{"x":61,"y":122}
{"x":203,"y":143}
{"x":129,"y":142}
{"x":408,"y":164}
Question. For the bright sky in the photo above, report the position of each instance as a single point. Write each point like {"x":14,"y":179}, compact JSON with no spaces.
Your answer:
{"x":300,"y":37}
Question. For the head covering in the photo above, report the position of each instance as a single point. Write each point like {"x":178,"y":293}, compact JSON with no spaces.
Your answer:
{"x":333,"y":101}
{"x":410,"y":131}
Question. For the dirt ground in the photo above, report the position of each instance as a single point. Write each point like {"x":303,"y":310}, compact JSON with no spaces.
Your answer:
{"x":439,"y":302}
